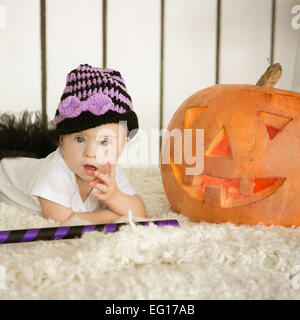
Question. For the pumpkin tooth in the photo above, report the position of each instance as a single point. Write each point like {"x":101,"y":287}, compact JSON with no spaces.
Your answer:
{"x":246,"y":186}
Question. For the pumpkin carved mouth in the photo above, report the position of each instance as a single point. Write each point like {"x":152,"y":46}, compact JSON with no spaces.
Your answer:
{"x":229,"y":188}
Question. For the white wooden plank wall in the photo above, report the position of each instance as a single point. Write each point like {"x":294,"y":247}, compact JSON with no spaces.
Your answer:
{"x":20,"y":76}
{"x":245,"y":40}
{"x":190,"y":46}
{"x":287,"y":41}
{"x":133,"y":49}
{"x":74,"y":35}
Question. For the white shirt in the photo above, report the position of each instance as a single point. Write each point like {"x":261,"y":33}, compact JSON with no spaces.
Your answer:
{"x":23,"y":179}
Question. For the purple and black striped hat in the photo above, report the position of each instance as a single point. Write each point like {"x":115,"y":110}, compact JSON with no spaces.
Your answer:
{"x":92,"y":97}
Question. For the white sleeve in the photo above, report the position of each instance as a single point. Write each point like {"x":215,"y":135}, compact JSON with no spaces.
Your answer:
{"x":123,"y":182}
{"x":53,"y":184}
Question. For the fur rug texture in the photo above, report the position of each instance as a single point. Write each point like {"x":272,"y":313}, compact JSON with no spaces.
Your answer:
{"x":193,"y":261}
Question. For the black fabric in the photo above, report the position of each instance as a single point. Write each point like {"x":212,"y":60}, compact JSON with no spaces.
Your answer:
{"x":22,"y":137}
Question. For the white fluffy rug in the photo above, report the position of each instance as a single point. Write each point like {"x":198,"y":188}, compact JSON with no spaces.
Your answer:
{"x":193,"y":261}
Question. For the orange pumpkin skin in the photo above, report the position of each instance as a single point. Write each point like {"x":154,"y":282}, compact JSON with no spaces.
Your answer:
{"x":251,"y":157}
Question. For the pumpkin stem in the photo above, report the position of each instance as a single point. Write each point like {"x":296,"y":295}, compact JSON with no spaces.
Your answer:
{"x":271,"y":76}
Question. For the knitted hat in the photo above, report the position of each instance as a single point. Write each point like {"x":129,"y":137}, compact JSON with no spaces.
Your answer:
{"x":93,"y":97}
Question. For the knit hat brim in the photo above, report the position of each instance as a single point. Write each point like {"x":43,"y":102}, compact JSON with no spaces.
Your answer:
{"x":87,"y":120}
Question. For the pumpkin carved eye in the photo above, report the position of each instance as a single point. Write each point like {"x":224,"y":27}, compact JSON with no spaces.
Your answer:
{"x":219,"y":146}
{"x":274,"y":123}
{"x":191,"y":115}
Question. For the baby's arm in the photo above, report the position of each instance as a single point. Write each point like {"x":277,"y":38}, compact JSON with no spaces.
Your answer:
{"x":98,"y":217}
{"x":60,"y":213}
{"x":121,"y":202}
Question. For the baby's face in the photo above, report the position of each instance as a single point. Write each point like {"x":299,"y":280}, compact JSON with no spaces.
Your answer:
{"x":93,"y":148}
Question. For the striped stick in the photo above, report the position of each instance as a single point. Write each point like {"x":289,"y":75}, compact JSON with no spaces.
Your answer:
{"x":57,"y":233}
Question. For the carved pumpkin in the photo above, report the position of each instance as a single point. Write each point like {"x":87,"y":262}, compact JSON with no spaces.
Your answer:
{"x":251,"y":169}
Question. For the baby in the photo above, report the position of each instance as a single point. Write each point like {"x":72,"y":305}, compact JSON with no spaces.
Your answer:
{"x":80,"y":177}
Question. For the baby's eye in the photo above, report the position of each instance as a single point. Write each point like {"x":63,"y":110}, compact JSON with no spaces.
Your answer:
{"x":104,"y":143}
{"x":79,"y":139}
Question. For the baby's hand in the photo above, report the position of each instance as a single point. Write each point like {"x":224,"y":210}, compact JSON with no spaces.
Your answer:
{"x":109,"y":186}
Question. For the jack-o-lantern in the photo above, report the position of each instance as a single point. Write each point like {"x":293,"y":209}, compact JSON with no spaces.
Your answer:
{"x":251,"y":155}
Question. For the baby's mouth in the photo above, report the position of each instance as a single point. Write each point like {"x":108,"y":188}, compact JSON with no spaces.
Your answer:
{"x":89,"y":169}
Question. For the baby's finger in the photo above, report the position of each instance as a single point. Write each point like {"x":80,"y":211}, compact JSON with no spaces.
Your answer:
{"x":112,"y":170}
{"x":103,"y":177}
{"x":101,"y":187}
{"x":93,"y":182}
{"x":100,"y":196}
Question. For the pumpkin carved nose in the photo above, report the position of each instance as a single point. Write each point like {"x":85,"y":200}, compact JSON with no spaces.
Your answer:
{"x":219,"y":147}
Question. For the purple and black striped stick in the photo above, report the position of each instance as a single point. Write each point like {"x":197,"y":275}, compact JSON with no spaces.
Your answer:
{"x":55,"y":233}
